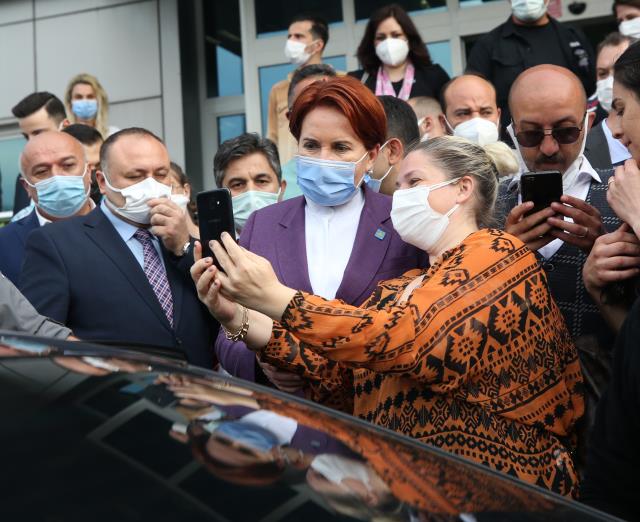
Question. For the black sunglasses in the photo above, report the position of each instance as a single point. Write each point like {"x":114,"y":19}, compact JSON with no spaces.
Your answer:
{"x":563,"y":135}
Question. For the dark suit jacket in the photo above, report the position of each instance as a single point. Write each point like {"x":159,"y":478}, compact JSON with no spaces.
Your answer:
{"x":597,"y":148}
{"x":428,"y":80}
{"x":13,"y":237}
{"x":21,"y":198}
{"x":277,"y":233}
{"x":81,"y":273}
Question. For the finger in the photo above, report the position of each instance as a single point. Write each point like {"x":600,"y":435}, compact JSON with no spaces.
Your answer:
{"x":197,"y":251}
{"x":624,"y":228}
{"x":234,"y":250}
{"x":575,"y":214}
{"x":158,"y":201}
{"x":160,"y":220}
{"x":576,"y":229}
{"x":579,"y":204}
{"x":619,"y":248}
{"x":619,"y":263}
{"x":518,"y":211}
{"x":533,"y":234}
{"x":614,"y":276}
{"x":584,"y":243}
{"x":222,"y":256}
{"x":205,"y":281}
{"x":534,"y":219}
{"x":199,"y":267}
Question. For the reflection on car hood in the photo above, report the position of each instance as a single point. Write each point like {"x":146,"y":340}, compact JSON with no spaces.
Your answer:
{"x":107,"y":434}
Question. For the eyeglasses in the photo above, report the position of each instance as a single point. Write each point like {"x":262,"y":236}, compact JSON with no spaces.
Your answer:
{"x":563,"y":135}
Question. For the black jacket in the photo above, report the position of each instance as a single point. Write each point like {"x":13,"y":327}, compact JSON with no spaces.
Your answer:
{"x":428,"y":80}
{"x":502,"y":55}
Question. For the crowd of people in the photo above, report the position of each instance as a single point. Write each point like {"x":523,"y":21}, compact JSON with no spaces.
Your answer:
{"x":385,"y":262}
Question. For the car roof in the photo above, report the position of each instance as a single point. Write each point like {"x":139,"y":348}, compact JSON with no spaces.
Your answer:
{"x":99,"y":433}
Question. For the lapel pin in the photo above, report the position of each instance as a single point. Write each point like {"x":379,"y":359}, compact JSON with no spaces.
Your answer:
{"x":380,"y":234}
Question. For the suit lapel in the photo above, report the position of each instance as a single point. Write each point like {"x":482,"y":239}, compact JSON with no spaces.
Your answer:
{"x":106,"y":238}
{"x":369,"y":250}
{"x":28,"y":224}
{"x":291,"y":249}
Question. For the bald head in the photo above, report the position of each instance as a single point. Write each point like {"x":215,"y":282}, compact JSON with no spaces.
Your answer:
{"x":544,"y":98}
{"x":547,"y":85}
{"x":469,"y":96}
{"x":51,"y":153}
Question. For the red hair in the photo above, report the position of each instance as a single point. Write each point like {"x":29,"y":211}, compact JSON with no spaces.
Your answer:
{"x":349,"y":97}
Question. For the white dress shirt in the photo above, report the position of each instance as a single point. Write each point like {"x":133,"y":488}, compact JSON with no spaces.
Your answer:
{"x":329,"y":234}
{"x":126,"y":232}
{"x":578,"y":187}
{"x":617,"y":150}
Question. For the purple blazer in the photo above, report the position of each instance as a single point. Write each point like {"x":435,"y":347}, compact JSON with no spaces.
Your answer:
{"x":277,"y":233}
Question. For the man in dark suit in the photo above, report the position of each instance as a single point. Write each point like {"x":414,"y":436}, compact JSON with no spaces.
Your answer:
{"x":121,"y":273}
{"x":602,"y":149}
{"x":57,"y":178}
{"x":36,"y":113}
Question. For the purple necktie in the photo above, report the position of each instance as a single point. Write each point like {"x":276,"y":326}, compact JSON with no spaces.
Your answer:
{"x":155,"y":272}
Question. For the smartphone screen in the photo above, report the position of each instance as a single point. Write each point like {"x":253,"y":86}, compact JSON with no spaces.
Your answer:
{"x":543,"y":188}
{"x":215,"y":216}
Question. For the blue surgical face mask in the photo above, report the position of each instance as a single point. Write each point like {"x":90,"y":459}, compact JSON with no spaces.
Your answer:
{"x":248,"y":202}
{"x":248,"y":434}
{"x":61,"y":196}
{"x":373,"y":183}
{"x":85,"y":109}
{"x":327,"y":182}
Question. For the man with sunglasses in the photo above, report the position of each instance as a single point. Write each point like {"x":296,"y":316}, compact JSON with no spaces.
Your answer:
{"x":549,"y":127}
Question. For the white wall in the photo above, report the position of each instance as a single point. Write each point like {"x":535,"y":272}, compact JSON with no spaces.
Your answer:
{"x":132,"y":47}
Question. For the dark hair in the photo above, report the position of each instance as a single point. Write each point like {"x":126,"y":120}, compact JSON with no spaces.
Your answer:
{"x":319,"y":27}
{"x":84,"y":133}
{"x":36,"y":101}
{"x":401,"y":120}
{"x":445,"y":87}
{"x":626,"y":70}
{"x":366,"y":54}
{"x":241,"y":146}
{"x":308,"y":71}
{"x":630,"y":3}
{"x":613,"y":40}
{"x":349,"y":97}
{"x":111,"y":140}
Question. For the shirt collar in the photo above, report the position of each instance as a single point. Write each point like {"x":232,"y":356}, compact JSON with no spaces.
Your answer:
{"x":125,"y":230}
{"x":585,"y":170}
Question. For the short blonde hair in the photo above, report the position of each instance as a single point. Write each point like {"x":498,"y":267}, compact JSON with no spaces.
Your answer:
{"x":101,"y":97}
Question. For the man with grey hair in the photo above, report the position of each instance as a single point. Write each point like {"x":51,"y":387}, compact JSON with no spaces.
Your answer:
{"x":249,"y":166}
{"x":56,"y":176}
{"x":120,"y":274}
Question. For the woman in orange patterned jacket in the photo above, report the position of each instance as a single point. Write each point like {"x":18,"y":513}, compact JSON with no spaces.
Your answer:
{"x":471,"y":355}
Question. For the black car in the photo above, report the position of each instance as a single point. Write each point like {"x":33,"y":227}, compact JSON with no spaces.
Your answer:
{"x":92,"y":433}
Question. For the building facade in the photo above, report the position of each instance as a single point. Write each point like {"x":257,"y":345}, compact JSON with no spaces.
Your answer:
{"x":199,"y":71}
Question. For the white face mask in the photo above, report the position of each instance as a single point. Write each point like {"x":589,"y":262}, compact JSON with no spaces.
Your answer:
{"x":136,"y":196}
{"x":181,"y":200}
{"x":392,"y":51}
{"x":414,"y":219}
{"x":604,"y":90}
{"x":336,"y":468}
{"x":296,"y":52}
{"x":528,"y":10}
{"x":478,"y":130}
{"x":630,"y":27}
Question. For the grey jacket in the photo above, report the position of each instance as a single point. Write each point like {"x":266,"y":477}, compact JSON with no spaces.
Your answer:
{"x":17,"y":314}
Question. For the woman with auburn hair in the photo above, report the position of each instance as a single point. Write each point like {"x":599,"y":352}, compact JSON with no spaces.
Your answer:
{"x":471,"y":355}
{"x":336,"y":240}
{"x":394,"y":59}
{"x":87,"y":103}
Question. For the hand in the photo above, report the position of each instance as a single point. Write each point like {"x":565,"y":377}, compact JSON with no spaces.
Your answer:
{"x":586,"y":227}
{"x":623,"y":193}
{"x":203,"y":273}
{"x":169,"y":223}
{"x":533,"y":230}
{"x":249,"y":279}
{"x":283,"y":380}
{"x":614,"y":257}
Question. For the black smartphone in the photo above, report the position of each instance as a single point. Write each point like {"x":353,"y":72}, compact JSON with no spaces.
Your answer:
{"x":543,"y":188}
{"x":215,"y":216}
